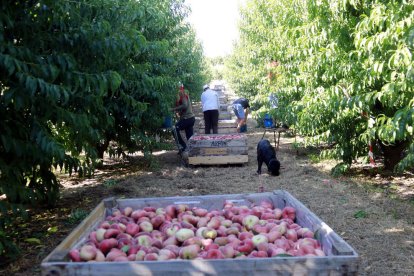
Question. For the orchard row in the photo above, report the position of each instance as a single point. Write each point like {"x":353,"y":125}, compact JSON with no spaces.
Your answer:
{"x":340,"y":72}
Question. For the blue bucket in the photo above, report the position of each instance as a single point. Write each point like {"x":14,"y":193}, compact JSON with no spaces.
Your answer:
{"x":167,"y":122}
{"x":268,"y":122}
{"x":243,"y":128}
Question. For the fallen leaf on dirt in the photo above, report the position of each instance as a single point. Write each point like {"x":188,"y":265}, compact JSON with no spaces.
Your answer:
{"x":33,"y":240}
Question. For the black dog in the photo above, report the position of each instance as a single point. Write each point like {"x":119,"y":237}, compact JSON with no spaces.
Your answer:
{"x":266,"y":153}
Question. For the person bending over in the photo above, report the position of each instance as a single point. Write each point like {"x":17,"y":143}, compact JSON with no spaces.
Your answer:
{"x":241,"y":109}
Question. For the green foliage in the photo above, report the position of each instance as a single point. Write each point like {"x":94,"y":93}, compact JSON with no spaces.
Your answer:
{"x":298,"y":145}
{"x":215,"y":68}
{"x":340,"y":169}
{"x":8,"y":213}
{"x":8,"y":249}
{"x":314,"y":158}
{"x":342,"y":72}
{"x":108,"y":183}
{"x":77,"y":75}
{"x":152,"y":162}
{"x":408,"y":160}
{"x":360,"y":214}
{"x":76,"y":216}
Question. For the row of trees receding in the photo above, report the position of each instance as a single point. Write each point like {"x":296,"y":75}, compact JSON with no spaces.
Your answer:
{"x":75,"y":75}
{"x":342,"y":71}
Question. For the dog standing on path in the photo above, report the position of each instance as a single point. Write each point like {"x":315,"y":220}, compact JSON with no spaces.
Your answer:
{"x":267,"y":154}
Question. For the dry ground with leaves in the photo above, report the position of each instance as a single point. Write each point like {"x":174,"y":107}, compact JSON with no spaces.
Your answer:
{"x":374,"y":213}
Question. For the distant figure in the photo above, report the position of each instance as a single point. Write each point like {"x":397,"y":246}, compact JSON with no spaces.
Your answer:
{"x":211,"y":104}
{"x":273,"y":100}
{"x":267,"y":154}
{"x":241,"y":108}
{"x":186,"y":117}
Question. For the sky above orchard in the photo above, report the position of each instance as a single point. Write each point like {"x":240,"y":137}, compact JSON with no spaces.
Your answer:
{"x":215,"y":22}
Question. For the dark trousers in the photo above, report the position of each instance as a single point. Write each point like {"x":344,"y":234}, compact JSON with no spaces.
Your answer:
{"x":188,"y":126}
{"x":211,"y":121}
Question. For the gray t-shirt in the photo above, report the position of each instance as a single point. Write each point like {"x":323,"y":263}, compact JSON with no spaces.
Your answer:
{"x":184,"y":108}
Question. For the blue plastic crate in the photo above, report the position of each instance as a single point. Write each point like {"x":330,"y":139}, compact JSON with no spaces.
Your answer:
{"x":168,"y":122}
{"x":268,"y":122}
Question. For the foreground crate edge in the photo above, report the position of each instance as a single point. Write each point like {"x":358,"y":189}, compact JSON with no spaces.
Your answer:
{"x":344,"y":262}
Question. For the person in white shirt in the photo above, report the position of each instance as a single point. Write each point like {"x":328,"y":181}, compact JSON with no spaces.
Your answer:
{"x":210,"y":102}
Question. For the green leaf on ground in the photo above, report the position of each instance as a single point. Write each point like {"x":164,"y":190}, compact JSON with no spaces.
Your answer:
{"x":52,"y":230}
{"x":33,"y":241}
{"x":360,"y":214}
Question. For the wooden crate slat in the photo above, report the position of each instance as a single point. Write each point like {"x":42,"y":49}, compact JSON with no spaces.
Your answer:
{"x":218,"y":151}
{"x":218,"y":140}
{"x":234,"y":267}
{"x":201,"y":149}
{"x":224,"y":115}
{"x":224,"y":127}
{"x":220,"y":130}
{"x":221,"y":123}
{"x":214,"y":151}
{"x":217,"y":143}
{"x":218,"y":160}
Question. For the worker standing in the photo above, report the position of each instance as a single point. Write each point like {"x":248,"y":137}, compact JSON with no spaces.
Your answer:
{"x":210,"y":103}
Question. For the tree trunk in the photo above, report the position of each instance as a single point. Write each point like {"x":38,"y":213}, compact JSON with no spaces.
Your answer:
{"x":393,"y":154}
{"x":101,"y":148}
